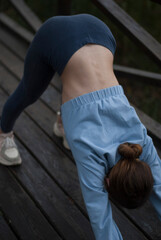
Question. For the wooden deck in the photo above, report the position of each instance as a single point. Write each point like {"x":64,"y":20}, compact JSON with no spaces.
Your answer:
{"x":41,"y":199}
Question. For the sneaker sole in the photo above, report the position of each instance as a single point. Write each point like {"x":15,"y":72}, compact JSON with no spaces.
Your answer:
{"x":7,"y":163}
{"x":65,"y":143}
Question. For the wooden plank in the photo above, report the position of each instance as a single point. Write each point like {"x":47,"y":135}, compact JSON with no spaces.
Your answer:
{"x":51,"y":162}
{"x":137,"y":74}
{"x":12,"y":42}
{"x":154,"y":128}
{"x":29,"y":16}
{"x":146,"y":216}
{"x":5,"y":231}
{"x":56,"y":205}
{"x":8,"y":22}
{"x":30,"y":127}
{"x":25,"y":218}
{"x":131,"y":28}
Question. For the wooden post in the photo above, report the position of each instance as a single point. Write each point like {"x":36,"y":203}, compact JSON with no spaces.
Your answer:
{"x":64,"y":7}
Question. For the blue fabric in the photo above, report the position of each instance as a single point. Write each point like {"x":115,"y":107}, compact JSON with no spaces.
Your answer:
{"x":66,"y":34}
{"x":62,"y":36}
{"x":95,"y":125}
{"x":53,"y":45}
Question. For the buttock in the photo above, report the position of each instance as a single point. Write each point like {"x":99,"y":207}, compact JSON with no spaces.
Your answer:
{"x":61,"y":36}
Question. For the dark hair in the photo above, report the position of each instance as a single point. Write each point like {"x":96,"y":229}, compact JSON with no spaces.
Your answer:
{"x":131,"y":180}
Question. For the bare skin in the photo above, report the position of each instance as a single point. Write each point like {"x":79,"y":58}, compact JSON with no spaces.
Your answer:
{"x":89,"y":69}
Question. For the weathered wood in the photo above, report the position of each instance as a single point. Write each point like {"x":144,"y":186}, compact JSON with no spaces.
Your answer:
{"x":50,"y":160}
{"x":29,"y":16}
{"x":48,"y":195}
{"x":26,"y":219}
{"x":12,"y":42}
{"x":153,"y":126}
{"x":148,"y":217}
{"x":5,"y":20}
{"x":139,"y":75}
{"x":131,"y":28}
{"x":5,"y":231}
{"x":64,"y":7}
{"x":51,"y":199}
{"x":30,"y":127}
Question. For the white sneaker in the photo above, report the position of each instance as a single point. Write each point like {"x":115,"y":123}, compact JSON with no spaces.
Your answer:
{"x":59,"y":130}
{"x":9,"y":154}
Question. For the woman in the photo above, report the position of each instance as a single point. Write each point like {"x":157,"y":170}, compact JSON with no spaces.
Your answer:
{"x":103,"y":131}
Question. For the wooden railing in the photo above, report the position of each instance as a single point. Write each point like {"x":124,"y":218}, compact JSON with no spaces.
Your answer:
{"x":131,"y":28}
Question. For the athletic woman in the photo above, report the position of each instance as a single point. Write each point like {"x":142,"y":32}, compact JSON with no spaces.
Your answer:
{"x":113,"y":153}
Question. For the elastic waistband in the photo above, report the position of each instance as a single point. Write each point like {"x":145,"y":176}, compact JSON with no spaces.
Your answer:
{"x":92,"y":97}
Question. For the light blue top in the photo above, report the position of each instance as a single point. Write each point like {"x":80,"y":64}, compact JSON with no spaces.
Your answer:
{"x":95,"y":125}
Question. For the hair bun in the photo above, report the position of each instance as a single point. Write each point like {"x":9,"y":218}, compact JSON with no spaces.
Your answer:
{"x":130,"y":150}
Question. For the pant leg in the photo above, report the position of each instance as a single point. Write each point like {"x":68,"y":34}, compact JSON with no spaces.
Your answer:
{"x":36,"y":77}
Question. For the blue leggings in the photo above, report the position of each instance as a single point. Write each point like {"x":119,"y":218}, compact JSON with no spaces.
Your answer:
{"x":35,"y":80}
{"x":53,"y":45}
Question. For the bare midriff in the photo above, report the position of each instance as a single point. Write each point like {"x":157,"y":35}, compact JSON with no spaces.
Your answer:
{"x":89,"y":69}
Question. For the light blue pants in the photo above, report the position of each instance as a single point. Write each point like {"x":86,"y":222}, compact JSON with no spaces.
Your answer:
{"x":95,"y":125}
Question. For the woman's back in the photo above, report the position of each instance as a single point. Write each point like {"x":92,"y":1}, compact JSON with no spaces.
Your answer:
{"x":89,"y":69}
